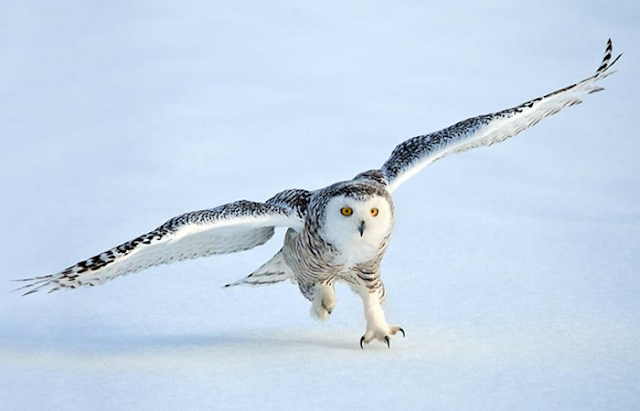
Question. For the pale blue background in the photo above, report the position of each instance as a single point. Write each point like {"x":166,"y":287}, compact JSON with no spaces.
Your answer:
{"x":515,"y":269}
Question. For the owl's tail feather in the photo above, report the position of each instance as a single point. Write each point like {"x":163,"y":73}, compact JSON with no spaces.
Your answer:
{"x":273,"y":271}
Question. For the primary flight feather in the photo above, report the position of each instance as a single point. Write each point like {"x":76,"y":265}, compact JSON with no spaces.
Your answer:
{"x":337,"y":233}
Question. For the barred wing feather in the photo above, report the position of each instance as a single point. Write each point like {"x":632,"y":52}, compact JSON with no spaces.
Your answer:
{"x":408,"y":158}
{"x":229,"y":228}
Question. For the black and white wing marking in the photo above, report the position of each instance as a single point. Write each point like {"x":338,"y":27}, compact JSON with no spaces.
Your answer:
{"x":408,"y":158}
{"x":229,"y":228}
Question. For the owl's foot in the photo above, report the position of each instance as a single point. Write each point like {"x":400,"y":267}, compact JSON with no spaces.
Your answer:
{"x":324,"y":301}
{"x":381,"y":334}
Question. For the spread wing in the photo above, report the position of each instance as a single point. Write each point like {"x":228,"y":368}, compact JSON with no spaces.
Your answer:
{"x":229,"y":228}
{"x":408,"y":158}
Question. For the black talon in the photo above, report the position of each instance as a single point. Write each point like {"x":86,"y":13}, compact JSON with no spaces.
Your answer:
{"x":362,"y":342}
{"x":386,"y":338}
{"x":401,"y":330}
{"x":327,"y":308}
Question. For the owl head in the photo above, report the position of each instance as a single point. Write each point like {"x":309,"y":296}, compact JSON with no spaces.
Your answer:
{"x":355,"y":215}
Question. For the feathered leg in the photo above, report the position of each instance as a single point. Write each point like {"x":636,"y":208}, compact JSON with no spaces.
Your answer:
{"x":377,"y":326}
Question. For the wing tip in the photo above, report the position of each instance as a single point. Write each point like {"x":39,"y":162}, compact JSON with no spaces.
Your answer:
{"x":606,"y":63}
{"x":34,"y":285}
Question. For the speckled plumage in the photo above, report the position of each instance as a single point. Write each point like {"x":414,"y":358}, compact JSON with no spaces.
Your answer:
{"x":323,"y":243}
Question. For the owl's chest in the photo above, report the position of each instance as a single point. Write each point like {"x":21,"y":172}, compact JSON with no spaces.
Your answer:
{"x":354,"y":252}
{"x":309,"y":252}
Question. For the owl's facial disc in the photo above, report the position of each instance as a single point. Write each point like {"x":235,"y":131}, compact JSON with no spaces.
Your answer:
{"x":351,"y":223}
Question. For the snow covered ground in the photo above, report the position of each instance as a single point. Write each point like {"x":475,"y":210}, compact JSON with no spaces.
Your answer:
{"x":515,"y":270}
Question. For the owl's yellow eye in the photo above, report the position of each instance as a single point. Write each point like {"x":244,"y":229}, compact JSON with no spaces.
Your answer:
{"x":346,"y":211}
{"x":374,"y":212}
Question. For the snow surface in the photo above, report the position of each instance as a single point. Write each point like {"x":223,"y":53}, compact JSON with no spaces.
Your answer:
{"x":515,"y":269}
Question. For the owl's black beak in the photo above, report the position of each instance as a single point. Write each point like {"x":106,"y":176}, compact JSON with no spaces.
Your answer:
{"x":361,"y":228}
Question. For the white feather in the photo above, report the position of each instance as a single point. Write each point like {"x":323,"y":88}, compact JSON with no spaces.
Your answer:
{"x":230,"y":228}
{"x":410,"y":157}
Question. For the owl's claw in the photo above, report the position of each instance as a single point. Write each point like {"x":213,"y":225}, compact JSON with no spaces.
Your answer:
{"x":385,"y":338}
{"x":324,"y":301}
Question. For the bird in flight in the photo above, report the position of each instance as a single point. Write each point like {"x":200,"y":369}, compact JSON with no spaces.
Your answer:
{"x":336,"y":233}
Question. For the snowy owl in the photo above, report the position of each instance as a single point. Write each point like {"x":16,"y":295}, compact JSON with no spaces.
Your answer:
{"x":336,"y":233}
